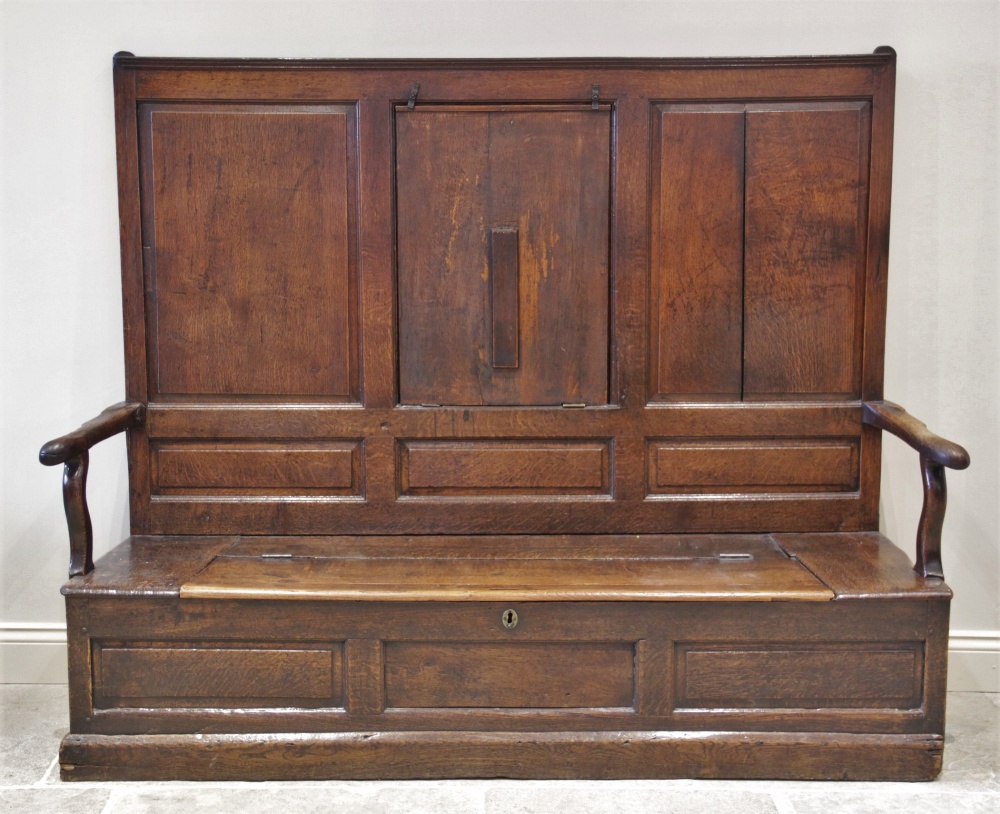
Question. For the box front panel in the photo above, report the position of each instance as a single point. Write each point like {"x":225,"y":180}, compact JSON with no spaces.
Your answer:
{"x":170,"y":665}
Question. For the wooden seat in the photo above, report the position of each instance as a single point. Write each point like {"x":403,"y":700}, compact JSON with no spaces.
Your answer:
{"x":505,"y":418}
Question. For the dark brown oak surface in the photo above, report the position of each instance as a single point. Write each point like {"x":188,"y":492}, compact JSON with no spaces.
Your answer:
{"x":505,"y":418}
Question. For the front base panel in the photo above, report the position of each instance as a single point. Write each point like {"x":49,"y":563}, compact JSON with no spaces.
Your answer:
{"x":174,"y":688}
{"x":548,"y":755}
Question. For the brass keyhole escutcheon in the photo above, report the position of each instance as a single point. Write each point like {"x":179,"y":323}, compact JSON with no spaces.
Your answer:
{"x":509,"y":618}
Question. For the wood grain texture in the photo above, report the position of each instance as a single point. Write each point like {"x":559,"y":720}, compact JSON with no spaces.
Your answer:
{"x":297,"y":421}
{"x":891,"y":417}
{"x":505,"y":312}
{"x":621,"y":755}
{"x":376,"y":254}
{"x":110,"y":422}
{"x":863,"y":624}
{"x":739,"y":465}
{"x":886,"y":675}
{"x":510,"y":547}
{"x":240,"y":309}
{"x":557,"y":674}
{"x":880,"y":183}
{"x":727,"y":577}
{"x":806,"y":209}
{"x":696,"y":342}
{"x":542,"y":175}
{"x":365,"y":676}
{"x":500,"y":468}
{"x":861,"y":566}
{"x":654,"y":664}
{"x":81,"y":531}
{"x":73,"y":451}
{"x":217,"y":674}
{"x":149,"y":566}
{"x":133,"y":288}
{"x":508,"y":80}
{"x":258,"y":468}
{"x":527,"y":514}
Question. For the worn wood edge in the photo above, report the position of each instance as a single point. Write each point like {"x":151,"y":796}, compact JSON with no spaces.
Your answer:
{"x":523,"y":755}
{"x":880,"y":56}
{"x":815,"y":553}
{"x":549,"y":594}
{"x":115,"y":419}
{"x":885,"y":415}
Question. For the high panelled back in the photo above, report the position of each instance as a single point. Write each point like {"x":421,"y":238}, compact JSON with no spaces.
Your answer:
{"x":616,"y":296}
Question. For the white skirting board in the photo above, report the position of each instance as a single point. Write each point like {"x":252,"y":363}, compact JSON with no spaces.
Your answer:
{"x":35,"y":653}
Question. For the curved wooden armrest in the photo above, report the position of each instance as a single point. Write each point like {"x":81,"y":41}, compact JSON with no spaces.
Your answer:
{"x":888,"y":416}
{"x":112,"y":421}
{"x":73,"y":450}
{"x":936,"y":453}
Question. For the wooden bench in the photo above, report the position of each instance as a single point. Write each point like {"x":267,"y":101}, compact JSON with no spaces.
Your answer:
{"x":505,"y":419}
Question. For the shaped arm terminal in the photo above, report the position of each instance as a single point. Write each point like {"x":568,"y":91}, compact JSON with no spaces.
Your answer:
{"x":936,"y":453}
{"x":73,"y":450}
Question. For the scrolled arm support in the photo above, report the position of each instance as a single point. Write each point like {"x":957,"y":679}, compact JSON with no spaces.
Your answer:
{"x":73,"y":450}
{"x":936,"y":453}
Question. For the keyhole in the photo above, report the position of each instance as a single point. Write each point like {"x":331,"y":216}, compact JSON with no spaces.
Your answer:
{"x":509,"y":618}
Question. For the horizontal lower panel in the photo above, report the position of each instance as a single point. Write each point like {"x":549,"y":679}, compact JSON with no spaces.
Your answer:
{"x":753,"y":465}
{"x":487,"y":468}
{"x":265,"y":421}
{"x":518,"y":675}
{"x":815,"y":676}
{"x":238,"y":468}
{"x":201,"y":674}
{"x":517,"y":754}
{"x":527,"y":514}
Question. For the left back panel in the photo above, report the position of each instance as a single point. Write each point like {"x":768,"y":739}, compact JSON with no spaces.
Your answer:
{"x":246,"y":244}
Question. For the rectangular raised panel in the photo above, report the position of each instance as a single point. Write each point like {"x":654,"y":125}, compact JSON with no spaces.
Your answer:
{"x":806,"y":225}
{"x":746,"y":465}
{"x":512,"y":675}
{"x":504,"y":467}
{"x":257,"y":468}
{"x":246,"y":242}
{"x":538,"y":180}
{"x":697,"y":253}
{"x":216,"y":674}
{"x":852,"y":675}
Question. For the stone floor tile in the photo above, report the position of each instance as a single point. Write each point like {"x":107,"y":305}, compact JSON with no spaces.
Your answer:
{"x":971,"y":744}
{"x":53,"y":801}
{"x":354,"y":798}
{"x":33,"y":719}
{"x":893,"y":803}
{"x":609,"y":798}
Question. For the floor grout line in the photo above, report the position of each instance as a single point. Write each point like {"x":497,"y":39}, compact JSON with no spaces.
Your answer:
{"x":44,"y":781}
{"x":782,"y":804}
{"x":109,"y":803}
